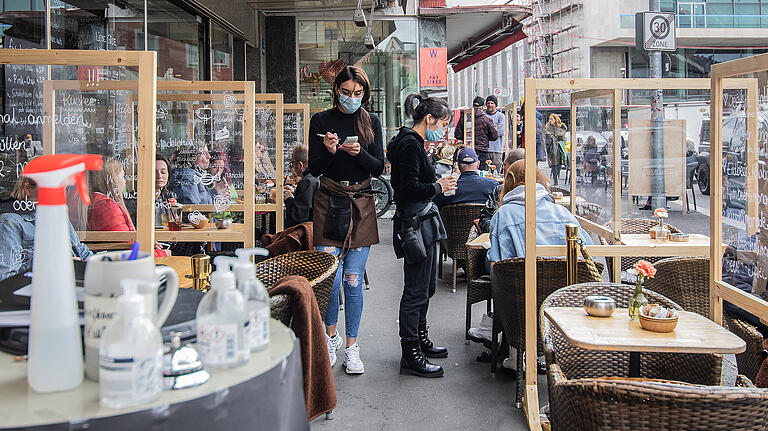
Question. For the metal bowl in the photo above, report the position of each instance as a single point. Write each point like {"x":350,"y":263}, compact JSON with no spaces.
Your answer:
{"x":599,"y":306}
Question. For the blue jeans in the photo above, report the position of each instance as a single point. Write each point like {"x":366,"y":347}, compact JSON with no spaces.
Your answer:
{"x":353,"y":270}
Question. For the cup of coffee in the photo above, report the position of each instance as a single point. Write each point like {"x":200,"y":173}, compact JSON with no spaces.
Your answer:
{"x":103,"y":273}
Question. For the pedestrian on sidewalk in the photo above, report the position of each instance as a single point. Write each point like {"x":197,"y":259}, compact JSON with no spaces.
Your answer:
{"x":496,"y":147}
{"x":417,"y":228}
{"x":344,"y":212}
{"x":485,"y":131}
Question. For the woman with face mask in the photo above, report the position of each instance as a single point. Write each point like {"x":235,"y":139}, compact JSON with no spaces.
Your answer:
{"x":345,"y":150}
{"x":417,"y":228}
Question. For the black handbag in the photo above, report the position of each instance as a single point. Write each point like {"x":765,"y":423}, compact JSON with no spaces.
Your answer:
{"x":412,"y":245}
{"x":339,"y":217}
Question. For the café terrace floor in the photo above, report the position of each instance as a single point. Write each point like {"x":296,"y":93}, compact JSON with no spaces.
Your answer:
{"x":468,"y":397}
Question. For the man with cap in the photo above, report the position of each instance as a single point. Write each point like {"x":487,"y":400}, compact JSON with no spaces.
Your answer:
{"x":470,"y":187}
{"x":495,"y":147}
{"x":485,"y":131}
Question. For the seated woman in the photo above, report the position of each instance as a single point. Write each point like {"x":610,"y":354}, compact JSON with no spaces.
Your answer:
{"x":107,"y":211}
{"x":17,"y":231}
{"x":187,"y":177}
{"x":222,"y":178}
{"x":507,"y":230}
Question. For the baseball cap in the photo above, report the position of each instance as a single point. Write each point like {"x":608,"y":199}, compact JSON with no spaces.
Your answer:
{"x":479,"y":101}
{"x":467,"y":155}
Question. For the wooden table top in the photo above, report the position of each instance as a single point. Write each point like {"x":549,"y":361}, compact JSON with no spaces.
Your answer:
{"x":181,"y":264}
{"x":482,"y":242}
{"x":693,"y":334}
{"x":208,"y":233}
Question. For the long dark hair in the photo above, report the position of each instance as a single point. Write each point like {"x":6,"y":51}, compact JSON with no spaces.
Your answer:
{"x":363,"y":125}
{"x":438,"y":108}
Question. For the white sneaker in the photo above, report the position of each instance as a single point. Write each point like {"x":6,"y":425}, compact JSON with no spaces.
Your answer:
{"x":509,"y":363}
{"x":333,"y":343}
{"x":483,"y":332}
{"x":352,"y":361}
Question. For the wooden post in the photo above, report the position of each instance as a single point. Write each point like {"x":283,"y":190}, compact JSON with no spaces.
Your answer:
{"x":145,"y":211}
{"x":249,"y":140}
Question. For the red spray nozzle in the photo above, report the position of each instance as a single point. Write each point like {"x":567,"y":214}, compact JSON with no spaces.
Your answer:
{"x":53,"y":172}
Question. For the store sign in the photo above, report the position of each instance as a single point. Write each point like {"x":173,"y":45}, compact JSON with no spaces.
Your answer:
{"x":433,"y":65}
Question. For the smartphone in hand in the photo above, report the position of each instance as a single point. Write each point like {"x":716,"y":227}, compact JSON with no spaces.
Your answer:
{"x":349,"y":140}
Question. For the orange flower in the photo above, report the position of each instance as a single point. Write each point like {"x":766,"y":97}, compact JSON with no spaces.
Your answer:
{"x":645,"y":268}
{"x":660,"y":212}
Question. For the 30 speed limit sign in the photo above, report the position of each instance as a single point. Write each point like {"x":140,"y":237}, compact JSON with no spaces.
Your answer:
{"x":658,"y":31}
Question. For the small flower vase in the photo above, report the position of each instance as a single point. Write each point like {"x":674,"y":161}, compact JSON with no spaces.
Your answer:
{"x":638,"y":299}
{"x":659,"y":233}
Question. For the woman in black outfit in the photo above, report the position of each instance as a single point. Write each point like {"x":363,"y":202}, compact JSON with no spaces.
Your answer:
{"x":344,"y":211}
{"x":417,"y":228}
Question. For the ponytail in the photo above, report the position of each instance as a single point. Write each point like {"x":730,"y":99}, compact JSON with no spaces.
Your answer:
{"x":433,"y":106}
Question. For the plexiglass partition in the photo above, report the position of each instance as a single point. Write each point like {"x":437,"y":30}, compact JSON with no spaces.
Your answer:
{"x":296,"y":131}
{"x":268,"y":161}
{"x":82,"y":102}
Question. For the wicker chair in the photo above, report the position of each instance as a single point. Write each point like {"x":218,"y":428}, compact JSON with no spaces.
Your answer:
{"x":748,"y":361}
{"x":508,"y":284}
{"x":598,"y":404}
{"x":578,"y":363}
{"x":316,"y":266}
{"x":478,"y":284}
{"x":633,"y":225}
{"x":281,"y":308}
{"x":458,"y":219}
{"x":684,"y":280}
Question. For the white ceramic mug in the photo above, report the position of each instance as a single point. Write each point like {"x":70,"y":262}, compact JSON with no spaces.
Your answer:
{"x":103,"y":273}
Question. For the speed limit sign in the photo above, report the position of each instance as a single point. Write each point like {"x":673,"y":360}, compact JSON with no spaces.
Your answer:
{"x":656,"y":30}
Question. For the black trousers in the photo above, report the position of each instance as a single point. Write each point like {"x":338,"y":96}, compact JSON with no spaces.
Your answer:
{"x":482,"y":156}
{"x":420,"y":284}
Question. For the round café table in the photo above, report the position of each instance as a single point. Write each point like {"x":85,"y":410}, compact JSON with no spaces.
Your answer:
{"x":266,"y":393}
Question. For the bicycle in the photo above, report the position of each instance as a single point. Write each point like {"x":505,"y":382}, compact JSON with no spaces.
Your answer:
{"x":383,"y":194}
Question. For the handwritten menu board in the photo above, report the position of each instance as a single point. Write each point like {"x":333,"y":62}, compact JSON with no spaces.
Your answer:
{"x":23,"y":95}
{"x":266,"y":143}
{"x":293,"y":136}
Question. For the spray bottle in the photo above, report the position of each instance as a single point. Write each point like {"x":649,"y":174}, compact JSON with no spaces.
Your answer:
{"x":55,"y":347}
{"x":221,"y":317}
{"x":131,"y":352}
{"x":256,"y":298}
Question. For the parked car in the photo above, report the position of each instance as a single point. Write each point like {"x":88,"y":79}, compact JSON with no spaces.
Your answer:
{"x":734,"y":140}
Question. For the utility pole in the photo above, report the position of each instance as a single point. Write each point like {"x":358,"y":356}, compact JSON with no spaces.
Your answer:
{"x":658,"y":192}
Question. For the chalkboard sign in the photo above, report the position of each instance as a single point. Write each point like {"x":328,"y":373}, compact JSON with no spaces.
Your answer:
{"x":23,"y":93}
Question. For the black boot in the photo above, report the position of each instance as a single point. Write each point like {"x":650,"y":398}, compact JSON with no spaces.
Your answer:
{"x":429,"y":349}
{"x":413,"y":361}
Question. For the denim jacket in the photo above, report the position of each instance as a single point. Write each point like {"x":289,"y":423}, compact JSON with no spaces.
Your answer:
{"x":186,"y":184}
{"x":508,"y":224}
{"x":17,"y":241}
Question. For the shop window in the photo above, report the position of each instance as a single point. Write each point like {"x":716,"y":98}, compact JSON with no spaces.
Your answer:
{"x":221,"y":53}
{"x":22,"y":23}
{"x":177,"y":36}
{"x":326,"y":46}
{"x":102,"y":25}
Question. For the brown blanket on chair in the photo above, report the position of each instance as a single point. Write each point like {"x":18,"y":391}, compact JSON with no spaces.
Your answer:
{"x":319,"y":388}
{"x":294,"y":238}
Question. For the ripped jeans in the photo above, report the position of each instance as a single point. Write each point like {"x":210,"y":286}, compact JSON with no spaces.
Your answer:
{"x":351,"y":271}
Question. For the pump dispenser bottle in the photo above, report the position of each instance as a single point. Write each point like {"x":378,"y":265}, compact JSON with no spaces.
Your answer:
{"x":221,"y":317}
{"x":55,"y":347}
{"x":256,"y":298}
{"x":130,"y":352}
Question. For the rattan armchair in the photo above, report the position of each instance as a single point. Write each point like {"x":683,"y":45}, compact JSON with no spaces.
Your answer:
{"x":458,"y":219}
{"x":281,"y":308}
{"x":598,"y":404}
{"x":632,"y":226}
{"x":508,"y":286}
{"x":318,"y":267}
{"x":578,"y":363}
{"x":684,"y":280}
{"x":478,"y":283}
{"x":748,"y":361}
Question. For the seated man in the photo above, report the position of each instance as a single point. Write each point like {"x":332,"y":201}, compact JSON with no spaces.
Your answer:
{"x":17,"y":232}
{"x":494,"y":200}
{"x":298,"y":199}
{"x":470,"y":187}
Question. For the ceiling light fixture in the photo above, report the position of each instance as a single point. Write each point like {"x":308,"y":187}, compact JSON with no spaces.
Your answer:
{"x":369,"y":42}
{"x":359,"y":16}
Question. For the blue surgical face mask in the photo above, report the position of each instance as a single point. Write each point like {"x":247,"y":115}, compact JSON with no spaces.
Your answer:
{"x":350,"y":104}
{"x":434,"y":135}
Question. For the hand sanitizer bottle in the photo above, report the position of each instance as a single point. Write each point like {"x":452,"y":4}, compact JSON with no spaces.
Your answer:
{"x":256,"y":298}
{"x":130,"y":352}
{"x":221,"y":317}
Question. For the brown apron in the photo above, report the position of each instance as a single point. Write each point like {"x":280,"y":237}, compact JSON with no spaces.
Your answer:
{"x":363,"y":229}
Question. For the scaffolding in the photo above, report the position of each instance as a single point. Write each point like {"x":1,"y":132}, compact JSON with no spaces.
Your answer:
{"x":552,"y":46}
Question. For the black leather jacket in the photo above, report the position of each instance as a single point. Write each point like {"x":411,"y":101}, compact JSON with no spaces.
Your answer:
{"x":491,"y":205}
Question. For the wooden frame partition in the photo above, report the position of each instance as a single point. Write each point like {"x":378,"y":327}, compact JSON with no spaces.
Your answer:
{"x":275,"y":101}
{"x":721,"y":74}
{"x":532,"y":250}
{"x":146,"y":63}
{"x":469,"y":136}
{"x":510,"y":117}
